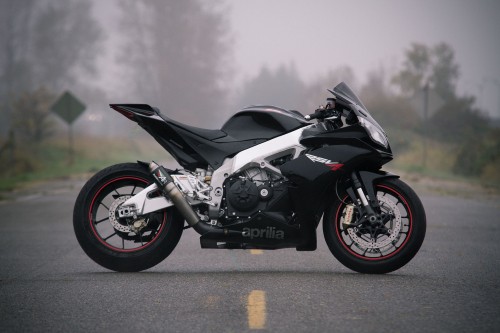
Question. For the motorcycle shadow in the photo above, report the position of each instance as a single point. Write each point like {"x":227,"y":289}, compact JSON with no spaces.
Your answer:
{"x":284,"y":273}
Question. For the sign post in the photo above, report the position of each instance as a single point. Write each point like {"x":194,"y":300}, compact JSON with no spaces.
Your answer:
{"x":426,"y":102}
{"x":68,"y":108}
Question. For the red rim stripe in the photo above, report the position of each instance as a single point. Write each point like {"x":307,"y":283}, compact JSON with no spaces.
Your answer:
{"x":97,"y":234}
{"x":337,"y":228}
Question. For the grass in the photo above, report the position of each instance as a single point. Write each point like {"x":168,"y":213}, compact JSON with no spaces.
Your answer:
{"x":51,"y":159}
{"x":441,"y":158}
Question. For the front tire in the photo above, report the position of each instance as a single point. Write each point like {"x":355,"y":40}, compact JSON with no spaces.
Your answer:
{"x":123,"y":245}
{"x":367,"y":251}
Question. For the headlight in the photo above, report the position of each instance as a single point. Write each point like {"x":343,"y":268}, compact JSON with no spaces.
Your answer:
{"x":375,"y":133}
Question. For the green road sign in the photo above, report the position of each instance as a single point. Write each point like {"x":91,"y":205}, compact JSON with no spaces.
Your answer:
{"x":68,"y":107}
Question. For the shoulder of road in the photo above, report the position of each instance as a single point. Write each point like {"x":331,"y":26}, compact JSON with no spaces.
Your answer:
{"x":421,"y":184}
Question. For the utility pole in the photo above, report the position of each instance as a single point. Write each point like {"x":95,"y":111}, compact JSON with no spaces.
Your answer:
{"x":497,"y":83}
{"x":424,"y":122}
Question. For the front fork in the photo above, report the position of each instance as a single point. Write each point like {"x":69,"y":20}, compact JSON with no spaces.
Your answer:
{"x":363,"y":193}
{"x":361,"y":196}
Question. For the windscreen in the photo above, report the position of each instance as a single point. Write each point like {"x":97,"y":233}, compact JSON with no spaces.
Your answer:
{"x":345,"y":93}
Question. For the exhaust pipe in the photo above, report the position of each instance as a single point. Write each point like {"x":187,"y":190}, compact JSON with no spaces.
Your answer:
{"x":170,"y":190}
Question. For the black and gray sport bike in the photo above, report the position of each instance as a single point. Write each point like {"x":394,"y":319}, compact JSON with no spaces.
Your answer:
{"x":265,"y":180}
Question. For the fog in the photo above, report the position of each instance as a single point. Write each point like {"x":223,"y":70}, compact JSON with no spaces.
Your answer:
{"x":199,"y":62}
{"x":318,"y":36}
{"x":194,"y":60}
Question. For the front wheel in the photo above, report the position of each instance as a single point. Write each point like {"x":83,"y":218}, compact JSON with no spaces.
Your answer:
{"x":123,"y":244}
{"x":381,"y":248}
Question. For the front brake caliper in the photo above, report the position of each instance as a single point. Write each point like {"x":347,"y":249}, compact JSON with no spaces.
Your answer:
{"x":348,"y":215}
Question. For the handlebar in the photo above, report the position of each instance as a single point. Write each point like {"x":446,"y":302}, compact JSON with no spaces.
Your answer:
{"x":322,"y":113}
{"x":330,"y":110}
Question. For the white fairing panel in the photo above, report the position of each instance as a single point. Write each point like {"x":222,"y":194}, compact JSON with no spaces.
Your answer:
{"x":269,"y":150}
{"x":258,"y":156}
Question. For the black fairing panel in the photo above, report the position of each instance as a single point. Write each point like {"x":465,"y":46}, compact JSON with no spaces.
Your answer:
{"x":168,"y":137}
{"x":316,"y":136}
{"x":194,"y":147}
{"x":213,"y":153}
{"x":261,"y":122}
{"x":304,"y":169}
{"x":190,"y":150}
{"x":312,"y":179}
{"x":354,"y":135}
{"x":142,"y":109}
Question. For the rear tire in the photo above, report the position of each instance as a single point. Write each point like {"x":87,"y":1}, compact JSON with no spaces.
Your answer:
{"x":112,"y":242}
{"x":387,"y":253}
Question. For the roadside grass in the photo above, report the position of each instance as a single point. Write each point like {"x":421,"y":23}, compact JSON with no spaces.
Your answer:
{"x":439,"y":159}
{"x":51,"y":160}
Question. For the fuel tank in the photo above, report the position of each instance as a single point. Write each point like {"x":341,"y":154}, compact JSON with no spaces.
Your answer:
{"x":261,"y":122}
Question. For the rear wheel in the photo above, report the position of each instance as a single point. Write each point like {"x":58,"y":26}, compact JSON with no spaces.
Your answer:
{"x":122,"y":244}
{"x":379,"y":247}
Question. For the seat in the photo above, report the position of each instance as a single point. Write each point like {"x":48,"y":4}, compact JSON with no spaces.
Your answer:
{"x":207,"y":134}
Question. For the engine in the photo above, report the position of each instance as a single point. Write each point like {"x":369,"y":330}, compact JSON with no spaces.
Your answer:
{"x":252,"y":191}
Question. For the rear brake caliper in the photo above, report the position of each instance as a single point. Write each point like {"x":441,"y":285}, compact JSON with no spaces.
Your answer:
{"x":124,"y":219}
{"x":115,"y":217}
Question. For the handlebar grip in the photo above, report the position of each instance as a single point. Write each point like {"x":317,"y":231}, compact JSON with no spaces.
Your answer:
{"x":321,"y":113}
{"x":312,"y":116}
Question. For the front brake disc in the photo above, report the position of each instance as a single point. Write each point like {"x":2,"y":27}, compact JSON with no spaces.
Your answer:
{"x":380,"y":242}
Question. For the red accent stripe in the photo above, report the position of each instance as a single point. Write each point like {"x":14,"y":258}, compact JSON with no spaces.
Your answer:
{"x":334,"y":166}
{"x":99,"y":238}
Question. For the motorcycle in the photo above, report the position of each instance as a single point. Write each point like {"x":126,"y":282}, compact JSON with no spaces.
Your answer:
{"x":265,"y":180}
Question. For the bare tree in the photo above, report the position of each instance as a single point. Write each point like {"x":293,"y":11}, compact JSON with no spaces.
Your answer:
{"x":45,"y":43}
{"x":31,"y":116}
{"x":15,"y":71}
{"x":66,"y":44}
{"x":282,"y":87}
{"x":177,"y":54}
{"x":428,"y":65}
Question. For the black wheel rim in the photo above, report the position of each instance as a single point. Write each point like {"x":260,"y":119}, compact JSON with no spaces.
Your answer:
{"x":121,"y":240}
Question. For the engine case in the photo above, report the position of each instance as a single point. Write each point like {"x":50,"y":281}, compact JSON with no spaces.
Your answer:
{"x":244,"y":198}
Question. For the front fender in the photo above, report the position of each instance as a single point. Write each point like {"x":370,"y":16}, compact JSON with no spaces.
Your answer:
{"x":370,"y":178}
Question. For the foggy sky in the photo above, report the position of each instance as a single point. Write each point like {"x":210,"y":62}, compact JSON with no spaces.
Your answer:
{"x":319,"y":35}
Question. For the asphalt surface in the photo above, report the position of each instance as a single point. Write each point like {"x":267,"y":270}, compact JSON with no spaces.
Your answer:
{"x":47,"y":284}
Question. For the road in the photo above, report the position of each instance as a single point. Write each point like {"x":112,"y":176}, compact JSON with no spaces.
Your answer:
{"x":47,"y":284}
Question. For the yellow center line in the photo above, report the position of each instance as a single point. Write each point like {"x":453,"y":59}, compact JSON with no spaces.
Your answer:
{"x":256,"y":251}
{"x":256,"y":308}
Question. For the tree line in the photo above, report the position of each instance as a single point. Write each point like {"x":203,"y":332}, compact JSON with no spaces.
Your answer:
{"x":177,"y":55}
{"x":457,"y":122}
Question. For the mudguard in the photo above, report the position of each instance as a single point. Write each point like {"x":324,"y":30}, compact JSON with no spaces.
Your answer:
{"x":370,"y":178}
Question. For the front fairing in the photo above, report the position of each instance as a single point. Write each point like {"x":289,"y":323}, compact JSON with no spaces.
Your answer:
{"x":361,"y":127}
